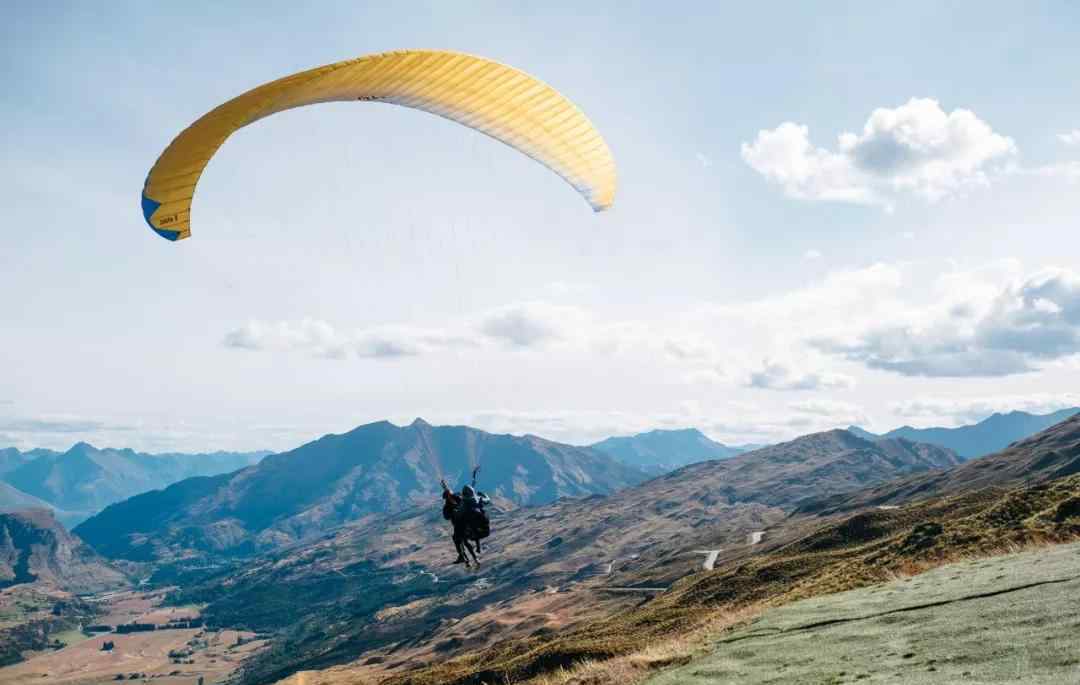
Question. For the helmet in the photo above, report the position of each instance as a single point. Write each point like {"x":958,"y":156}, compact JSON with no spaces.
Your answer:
{"x":467,"y":492}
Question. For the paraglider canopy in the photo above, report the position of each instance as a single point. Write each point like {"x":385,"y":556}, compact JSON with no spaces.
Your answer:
{"x":500,"y":101}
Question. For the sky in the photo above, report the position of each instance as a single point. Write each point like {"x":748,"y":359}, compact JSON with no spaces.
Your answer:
{"x":827,"y":214}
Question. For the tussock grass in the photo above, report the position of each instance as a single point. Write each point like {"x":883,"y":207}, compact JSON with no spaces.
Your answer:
{"x":635,"y":667}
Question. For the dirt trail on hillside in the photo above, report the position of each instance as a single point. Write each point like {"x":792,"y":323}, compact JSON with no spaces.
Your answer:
{"x":1010,"y":619}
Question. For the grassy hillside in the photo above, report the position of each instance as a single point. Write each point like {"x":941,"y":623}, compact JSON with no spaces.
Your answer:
{"x":856,"y":551}
{"x":994,"y":620}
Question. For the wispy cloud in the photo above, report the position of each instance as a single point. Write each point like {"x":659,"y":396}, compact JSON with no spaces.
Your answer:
{"x":523,"y":325}
{"x":959,"y":410}
{"x":57,"y":425}
{"x":1070,"y":138}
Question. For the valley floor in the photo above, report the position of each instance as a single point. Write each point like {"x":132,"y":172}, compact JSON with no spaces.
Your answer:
{"x":1007,"y":619}
{"x":143,"y":656}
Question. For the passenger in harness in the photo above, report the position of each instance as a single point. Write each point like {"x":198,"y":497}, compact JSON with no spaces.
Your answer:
{"x":476,"y":520}
{"x":470,"y":521}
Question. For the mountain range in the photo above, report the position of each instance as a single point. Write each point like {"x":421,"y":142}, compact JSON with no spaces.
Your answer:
{"x":989,"y":435}
{"x":84,"y":479}
{"x":658,"y":451}
{"x":335,"y":577}
{"x":375,"y":469}
{"x":338,"y":546}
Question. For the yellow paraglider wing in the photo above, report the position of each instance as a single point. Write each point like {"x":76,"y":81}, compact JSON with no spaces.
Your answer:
{"x":500,"y":101}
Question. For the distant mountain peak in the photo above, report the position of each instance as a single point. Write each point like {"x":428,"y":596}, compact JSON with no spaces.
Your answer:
{"x":861,"y":432}
{"x":671,"y":431}
{"x":664,"y":449}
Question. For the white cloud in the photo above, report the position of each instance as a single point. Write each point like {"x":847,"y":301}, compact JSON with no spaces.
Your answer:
{"x":518,"y":326}
{"x":909,"y":319}
{"x":977,"y":327}
{"x":831,"y":413}
{"x":703,"y":159}
{"x":762,"y":343}
{"x":61,"y":431}
{"x":772,"y":375}
{"x":915,"y":149}
{"x":1070,"y":138}
{"x":564,"y":288}
{"x":962,"y":410}
{"x":785,"y":156}
{"x":689,"y":347}
{"x":62,"y":425}
{"x":321,"y":339}
{"x":312,"y":335}
{"x":839,"y":300}
{"x":811,"y":255}
{"x":384,"y":346}
{"x":532,"y":324}
{"x":1068,"y":171}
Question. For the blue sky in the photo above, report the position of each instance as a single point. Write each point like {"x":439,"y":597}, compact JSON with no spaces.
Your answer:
{"x":759,"y":277}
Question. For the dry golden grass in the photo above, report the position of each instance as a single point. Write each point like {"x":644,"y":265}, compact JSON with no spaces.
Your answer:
{"x":634,"y":668}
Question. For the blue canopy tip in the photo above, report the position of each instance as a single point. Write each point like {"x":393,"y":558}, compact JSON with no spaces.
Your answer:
{"x":149,"y":206}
